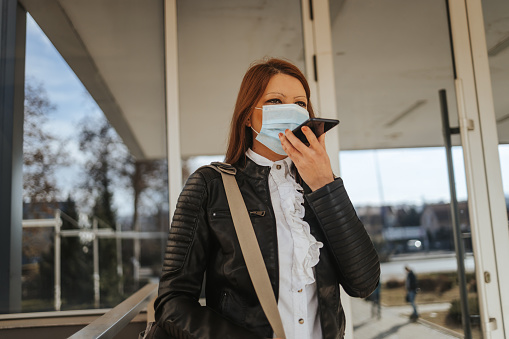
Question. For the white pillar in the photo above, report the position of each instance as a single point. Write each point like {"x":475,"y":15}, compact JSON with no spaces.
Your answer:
{"x":172,"y":103}
{"x":318,"y":57}
{"x":487,"y":212}
{"x":120,"y":268}
{"x":97,"y":279}
{"x":136,"y":262}
{"x":57,"y":263}
{"x":487,"y":120}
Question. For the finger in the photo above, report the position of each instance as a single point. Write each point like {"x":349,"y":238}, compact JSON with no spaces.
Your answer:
{"x":291,"y":151}
{"x":296,"y":143}
{"x":321,"y":140}
{"x":313,"y":142}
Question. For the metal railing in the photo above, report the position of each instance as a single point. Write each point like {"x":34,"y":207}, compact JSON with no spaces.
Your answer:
{"x":93,"y":233}
{"x":112,"y":322}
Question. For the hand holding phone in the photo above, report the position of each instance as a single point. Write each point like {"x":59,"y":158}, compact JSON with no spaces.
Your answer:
{"x":318,"y":125}
{"x":312,"y":161}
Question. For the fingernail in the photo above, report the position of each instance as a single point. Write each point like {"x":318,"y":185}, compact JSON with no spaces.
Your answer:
{"x":305,"y":128}
{"x":280,"y":135}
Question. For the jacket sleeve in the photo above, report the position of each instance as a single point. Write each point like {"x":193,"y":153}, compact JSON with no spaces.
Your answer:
{"x":357,"y":263}
{"x":177,"y":309}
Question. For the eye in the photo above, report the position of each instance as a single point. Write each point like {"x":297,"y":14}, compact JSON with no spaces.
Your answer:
{"x":301,"y":103}
{"x":274,"y":101}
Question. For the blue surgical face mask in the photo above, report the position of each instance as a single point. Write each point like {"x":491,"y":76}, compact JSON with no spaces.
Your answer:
{"x":276,"y":119}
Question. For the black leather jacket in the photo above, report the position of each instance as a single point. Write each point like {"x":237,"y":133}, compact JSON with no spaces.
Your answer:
{"x":202,"y":240}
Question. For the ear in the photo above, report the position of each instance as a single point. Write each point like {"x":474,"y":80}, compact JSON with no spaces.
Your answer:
{"x":248,"y":122}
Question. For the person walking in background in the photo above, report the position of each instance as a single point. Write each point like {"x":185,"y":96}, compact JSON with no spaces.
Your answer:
{"x":411,"y":288}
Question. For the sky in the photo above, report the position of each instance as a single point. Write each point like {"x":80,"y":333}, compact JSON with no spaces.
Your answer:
{"x":395,"y":176}
{"x":73,"y":106}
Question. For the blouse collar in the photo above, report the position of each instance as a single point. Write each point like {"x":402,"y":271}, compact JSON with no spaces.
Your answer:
{"x":262,"y":161}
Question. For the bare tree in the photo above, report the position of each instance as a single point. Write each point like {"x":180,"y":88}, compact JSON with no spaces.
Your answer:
{"x":108,"y":170}
{"x":43,"y":152}
{"x":109,"y":164}
{"x":150,"y":188}
{"x":111,"y":170}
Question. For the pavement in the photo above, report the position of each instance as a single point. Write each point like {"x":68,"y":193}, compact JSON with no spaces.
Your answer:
{"x":395,"y":324}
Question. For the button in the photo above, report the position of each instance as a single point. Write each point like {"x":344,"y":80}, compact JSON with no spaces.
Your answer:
{"x":300,"y":291}
{"x":278,"y":167}
{"x":301,"y":321}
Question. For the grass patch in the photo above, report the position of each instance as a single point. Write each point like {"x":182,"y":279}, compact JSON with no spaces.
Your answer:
{"x":434,"y":288}
{"x":396,"y":296}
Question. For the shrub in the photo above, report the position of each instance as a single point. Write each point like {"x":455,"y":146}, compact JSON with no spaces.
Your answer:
{"x":444,"y":283}
{"x":472,"y":285}
{"x":394,"y":283}
{"x":454,"y":314}
{"x":438,"y":284}
{"x":427,"y":284}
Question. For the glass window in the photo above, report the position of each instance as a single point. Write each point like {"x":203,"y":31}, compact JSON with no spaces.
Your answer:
{"x":84,"y":188}
{"x":390,"y":62}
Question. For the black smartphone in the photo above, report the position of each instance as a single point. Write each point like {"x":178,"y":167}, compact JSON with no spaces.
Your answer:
{"x":318,"y":125}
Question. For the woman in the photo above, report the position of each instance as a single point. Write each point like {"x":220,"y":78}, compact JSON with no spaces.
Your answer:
{"x":309,"y":234}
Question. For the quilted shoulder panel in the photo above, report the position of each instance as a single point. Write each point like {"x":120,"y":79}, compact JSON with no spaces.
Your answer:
{"x":185,"y":222}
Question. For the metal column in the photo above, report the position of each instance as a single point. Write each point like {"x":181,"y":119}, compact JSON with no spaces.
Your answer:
{"x":12,"y":78}
{"x":57,"y":261}
{"x":97,"y":278}
{"x":455,"y":215}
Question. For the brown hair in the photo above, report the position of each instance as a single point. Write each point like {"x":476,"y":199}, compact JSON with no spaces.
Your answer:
{"x":251,"y":90}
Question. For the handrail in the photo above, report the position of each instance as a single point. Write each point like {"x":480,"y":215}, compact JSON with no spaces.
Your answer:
{"x":111,"y":323}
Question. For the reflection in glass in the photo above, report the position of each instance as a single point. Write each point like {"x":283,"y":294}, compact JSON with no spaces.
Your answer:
{"x":390,"y":61}
{"x":83,"y":190}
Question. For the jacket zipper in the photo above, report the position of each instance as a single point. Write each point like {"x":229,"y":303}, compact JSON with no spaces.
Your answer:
{"x":227,"y":214}
{"x":222,"y":301}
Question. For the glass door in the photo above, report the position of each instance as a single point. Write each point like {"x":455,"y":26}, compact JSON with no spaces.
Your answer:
{"x":395,"y":79}
{"x":496,"y":25}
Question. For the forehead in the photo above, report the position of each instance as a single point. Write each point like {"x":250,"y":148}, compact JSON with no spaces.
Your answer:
{"x":286,"y":85}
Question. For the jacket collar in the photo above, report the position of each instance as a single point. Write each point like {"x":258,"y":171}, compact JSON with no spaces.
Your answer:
{"x":251,"y":169}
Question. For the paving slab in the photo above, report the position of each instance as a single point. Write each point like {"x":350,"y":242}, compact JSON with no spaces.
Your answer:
{"x":394,"y":322}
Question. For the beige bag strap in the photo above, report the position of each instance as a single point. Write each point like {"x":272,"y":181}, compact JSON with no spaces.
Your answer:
{"x":251,"y":252}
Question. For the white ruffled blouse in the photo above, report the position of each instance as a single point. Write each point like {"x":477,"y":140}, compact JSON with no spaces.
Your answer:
{"x":298,"y":252}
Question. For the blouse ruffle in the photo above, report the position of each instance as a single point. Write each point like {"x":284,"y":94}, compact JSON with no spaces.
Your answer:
{"x":306,"y":250}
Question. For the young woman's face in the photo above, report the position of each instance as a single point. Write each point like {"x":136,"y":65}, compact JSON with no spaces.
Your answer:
{"x":281,"y":89}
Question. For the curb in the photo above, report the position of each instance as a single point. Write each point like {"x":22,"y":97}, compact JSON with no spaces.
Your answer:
{"x":440,"y":328}
{"x":424,"y":256}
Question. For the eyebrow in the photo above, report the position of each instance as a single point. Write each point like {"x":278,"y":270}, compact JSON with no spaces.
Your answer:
{"x":284,"y":96}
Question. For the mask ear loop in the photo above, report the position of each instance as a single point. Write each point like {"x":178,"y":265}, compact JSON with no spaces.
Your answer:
{"x":257,"y":133}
